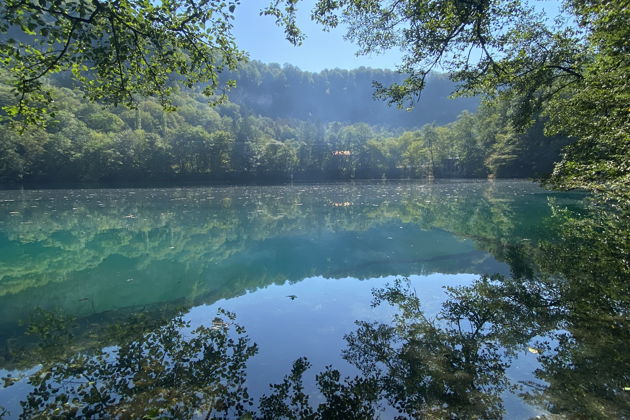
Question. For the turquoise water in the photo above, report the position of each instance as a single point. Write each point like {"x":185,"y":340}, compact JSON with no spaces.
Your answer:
{"x":113,"y":285}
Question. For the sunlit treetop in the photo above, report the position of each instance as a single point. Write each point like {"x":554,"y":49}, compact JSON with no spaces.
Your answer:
{"x":116,"y":49}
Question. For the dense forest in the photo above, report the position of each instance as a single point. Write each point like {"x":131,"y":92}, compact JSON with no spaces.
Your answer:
{"x":566,"y":71}
{"x":338,"y":95}
{"x":279,"y":124}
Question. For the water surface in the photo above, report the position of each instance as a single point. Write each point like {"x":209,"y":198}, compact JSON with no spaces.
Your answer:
{"x":125,"y":285}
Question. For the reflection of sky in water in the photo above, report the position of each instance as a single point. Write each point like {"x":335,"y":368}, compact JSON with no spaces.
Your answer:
{"x":91,"y":253}
{"x":315,"y":322}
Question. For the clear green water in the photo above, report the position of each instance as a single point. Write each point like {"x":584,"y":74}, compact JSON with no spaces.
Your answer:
{"x":109,"y":300}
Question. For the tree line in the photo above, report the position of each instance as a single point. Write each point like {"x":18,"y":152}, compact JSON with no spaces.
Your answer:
{"x":199,"y":141}
{"x":571,"y":67}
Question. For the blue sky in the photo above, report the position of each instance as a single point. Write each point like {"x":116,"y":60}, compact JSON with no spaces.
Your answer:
{"x":259,"y":36}
{"x":264,"y":41}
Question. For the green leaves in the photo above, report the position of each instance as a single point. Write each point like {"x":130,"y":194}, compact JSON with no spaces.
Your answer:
{"x":115,"y":52}
{"x":595,"y":111}
{"x":574,"y":66}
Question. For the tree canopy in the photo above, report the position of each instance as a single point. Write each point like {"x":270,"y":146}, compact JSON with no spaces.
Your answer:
{"x":573,"y":66}
{"x":570,"y":68}
{"x":252,"y":138}
{"x":116,"y":50}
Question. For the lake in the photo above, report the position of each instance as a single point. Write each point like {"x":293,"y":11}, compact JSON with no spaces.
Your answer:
{"x":466,"y":299}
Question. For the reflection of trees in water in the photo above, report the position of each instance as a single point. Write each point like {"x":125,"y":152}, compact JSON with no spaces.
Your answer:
{"x":415,"y":365}
{"x":449,"y":366}
{"x":53,"y":335}
{"x":588,"y":277}
{"x":566,"y":301}
{"x":186,"y":243}
{"x":172,"y":372}
{"x":438,"y":368}
{"x":197,"y":227}
{"x":573,"y":313}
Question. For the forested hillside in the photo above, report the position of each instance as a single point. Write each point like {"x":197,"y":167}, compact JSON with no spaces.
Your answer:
{"x":569,"y":65}
{"x":278,"y":125}
{"x":345,"y":96}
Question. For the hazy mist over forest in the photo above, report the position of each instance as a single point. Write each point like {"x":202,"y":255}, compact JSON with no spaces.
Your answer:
{"x":339,"y":95}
